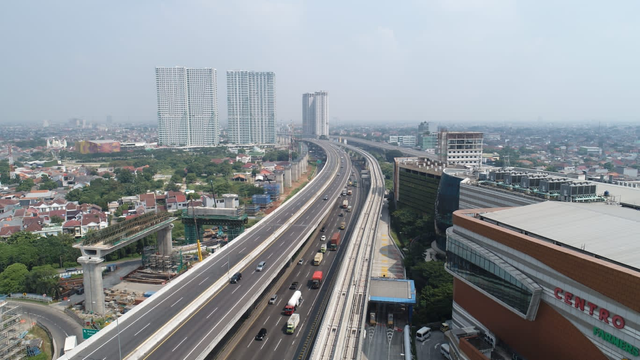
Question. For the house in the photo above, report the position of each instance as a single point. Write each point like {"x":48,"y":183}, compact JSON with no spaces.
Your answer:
{"x":8,"y":230}
{"x":267,"y":165}
{"x":239,"y":178}
{"x":73,"y":228}
{"x":148,"y":201}
{"x":176,"y":201}
{"x":7,"y":205}
{"x":243,"y":158}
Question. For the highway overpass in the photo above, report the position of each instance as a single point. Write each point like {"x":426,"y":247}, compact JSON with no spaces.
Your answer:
{"x":384,"y":146}
{"x":187,"y":318}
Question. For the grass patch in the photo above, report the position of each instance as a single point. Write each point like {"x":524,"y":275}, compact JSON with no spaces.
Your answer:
{"x":251,"y":222}
{"x":47,"y":346}
{"x":395,"y":238}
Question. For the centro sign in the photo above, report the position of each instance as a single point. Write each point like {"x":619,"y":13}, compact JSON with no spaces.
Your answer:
{"x":579,"y":303}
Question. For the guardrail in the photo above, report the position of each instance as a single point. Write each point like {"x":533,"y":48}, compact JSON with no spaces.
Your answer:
{"x":36,"y":297}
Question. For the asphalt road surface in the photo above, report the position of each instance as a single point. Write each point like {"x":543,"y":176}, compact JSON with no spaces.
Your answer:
{"x":192,"y":336}
{"x":59,"y":324}
{"x":278,"y":344}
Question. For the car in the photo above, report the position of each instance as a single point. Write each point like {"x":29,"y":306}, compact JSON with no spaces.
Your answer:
{"x":341,"y":214}
{"x":261,"y":334}
{"x":326,"y":197}
{"x":323,"y":237}
{"x":235,"y":278}
{"x":261,"y":266}
{"x":322,"y":229}
{"x":338,"y":174}
{"x":294,"y":286}
{"x":273,"y":299}
{"x":301,"y":262}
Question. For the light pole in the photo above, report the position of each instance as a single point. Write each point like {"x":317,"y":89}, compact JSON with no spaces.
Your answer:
{"x":118,"y":328}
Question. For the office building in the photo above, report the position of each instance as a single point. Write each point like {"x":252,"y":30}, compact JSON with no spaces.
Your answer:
{"x":315,"y":114}
{"x":415,"y":184}
{"x":187,"y":106}
{"x":251,"y":104}
{"x":460,"y":148}
{"x":552,"y":280}
{"x":403,"y":140}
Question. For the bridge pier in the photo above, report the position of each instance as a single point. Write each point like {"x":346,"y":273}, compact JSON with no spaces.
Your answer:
{"x":93,"y":288}
{"x":165,"y":246}
{"x":287,"y":177}
{"x":280,"y":179}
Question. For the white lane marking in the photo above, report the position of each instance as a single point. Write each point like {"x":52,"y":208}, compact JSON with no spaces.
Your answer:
{"x":307,"y":273}
{"x":279,"y":302}
{"x":264,"y":323}
{"x":298,"y":274}
{"x":253,"y":272}
{"x":214,"y":310}
{"x":263,"y":344}
{"x":236,"y":289}
{"x":277,"y":322}
{"x":205,"y":279}
{"x":268,"y":257}
{"x":281,"y":243}
{"x":250,"y":342}
{"x":174,"y":304}
{"x":174,"y":349}
{"x":243,"y":249}
{"x":139,"y":331}
{"x":300,"y":326}
{"x":224,"y":264}
{"x":277,"y":345}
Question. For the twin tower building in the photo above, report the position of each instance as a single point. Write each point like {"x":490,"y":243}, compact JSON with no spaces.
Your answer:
{"x":188,"y":107}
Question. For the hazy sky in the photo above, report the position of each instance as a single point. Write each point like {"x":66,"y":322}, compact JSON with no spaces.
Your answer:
{"x":434,"y":60}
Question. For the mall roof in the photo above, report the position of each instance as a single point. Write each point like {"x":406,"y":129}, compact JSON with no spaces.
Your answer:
{"x":608,"y":231}
{"x":387,"y":290}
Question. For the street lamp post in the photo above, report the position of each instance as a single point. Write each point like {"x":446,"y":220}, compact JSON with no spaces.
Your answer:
{"x":118,"y":328}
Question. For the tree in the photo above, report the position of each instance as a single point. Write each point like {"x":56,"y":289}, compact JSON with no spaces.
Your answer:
{"x":42,"y":280}
{"x":25,"y":185}
{"x":391,"y":154}
{"x":175,"y":178}
{"x":171,"y":186}
{"x":57,"y":219}
{"x":191,"y":178}
{"x":47,"y":183}
{"x":125,"y":176}
{"x":12,"y":279}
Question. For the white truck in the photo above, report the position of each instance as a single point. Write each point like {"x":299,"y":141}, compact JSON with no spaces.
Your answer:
{"x":293,"y":303}
{"x":70,"y":343}
{"x":292,"y":323}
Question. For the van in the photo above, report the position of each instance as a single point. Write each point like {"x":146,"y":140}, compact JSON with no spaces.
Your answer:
{"x":423,"y":334}
{"x":260,"y":266}
{"x":444,"y":350}
{"x":323,"y":248}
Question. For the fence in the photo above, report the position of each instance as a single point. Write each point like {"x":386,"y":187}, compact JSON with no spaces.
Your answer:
{"x":35,"y":297}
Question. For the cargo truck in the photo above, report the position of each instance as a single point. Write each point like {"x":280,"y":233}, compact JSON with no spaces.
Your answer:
{"x":292,"y":323}
{"x":293,"y":303}
{"x":316,"y":280}
{"x":323,"y":248}
{"x":343,"y":225}
{"x":70,"y":343}
{"x":349,"y":192}
{"x":345,"y":204}
{"x":318,"y":259}
{"x":335,"y":241}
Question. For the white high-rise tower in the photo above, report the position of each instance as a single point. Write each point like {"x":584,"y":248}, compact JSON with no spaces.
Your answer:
{"x":315,"y":114}
{"x":187,"y":106}
{"x":251,"y":104}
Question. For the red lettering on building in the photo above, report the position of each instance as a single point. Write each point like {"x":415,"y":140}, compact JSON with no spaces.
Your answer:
{"x":579,"y":303}
{"x":618,"y":321}
{"x":604,"y":315}
{"x":567,"y":298}
{"x":556,"y":292}
{"x":592,"y":307}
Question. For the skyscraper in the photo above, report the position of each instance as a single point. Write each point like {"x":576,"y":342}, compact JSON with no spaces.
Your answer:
{"x":187,"y":106}
{"x":251,"y":104}
{"x":315,"y":114}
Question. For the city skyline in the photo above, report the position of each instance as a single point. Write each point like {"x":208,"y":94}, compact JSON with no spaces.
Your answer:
{"x":440,"y":61}
{"x":187,"y":106}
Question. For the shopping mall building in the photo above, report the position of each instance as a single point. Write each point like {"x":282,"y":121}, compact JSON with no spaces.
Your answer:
{"x":551,"y":280}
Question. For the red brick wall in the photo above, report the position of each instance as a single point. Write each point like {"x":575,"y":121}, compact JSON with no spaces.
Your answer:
{"x":613,"y":281}
{"x":550,"y":336}
{"x":471,"y":352}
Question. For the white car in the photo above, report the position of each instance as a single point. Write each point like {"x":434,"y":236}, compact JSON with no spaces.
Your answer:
{"x":323,"y":238}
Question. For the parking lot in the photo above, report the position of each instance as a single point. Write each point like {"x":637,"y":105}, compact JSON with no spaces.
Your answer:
{"x":430,"y":348}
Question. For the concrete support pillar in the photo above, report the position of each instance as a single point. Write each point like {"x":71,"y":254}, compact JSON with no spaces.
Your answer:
{"x":280,"y":179}
{"x":93,"y":291}
{"x":287,"y":177}
{"x":294,"y":172}
{"x":165,"y":247}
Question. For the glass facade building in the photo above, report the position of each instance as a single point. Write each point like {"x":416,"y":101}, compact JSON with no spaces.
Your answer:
{"x":447,"y":201}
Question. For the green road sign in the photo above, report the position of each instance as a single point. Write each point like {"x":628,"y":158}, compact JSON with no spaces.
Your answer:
{"x":87,"y":333}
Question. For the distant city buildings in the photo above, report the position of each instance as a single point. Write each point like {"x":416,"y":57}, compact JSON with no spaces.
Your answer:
{"x":460,"y":148}
{"x":97,"y":146}
{"x":427,"y":139}
{"x":187,"y":106}
{"x":315,"y":114}
{"x":403,"y":140}
{"x":251,"y":104}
